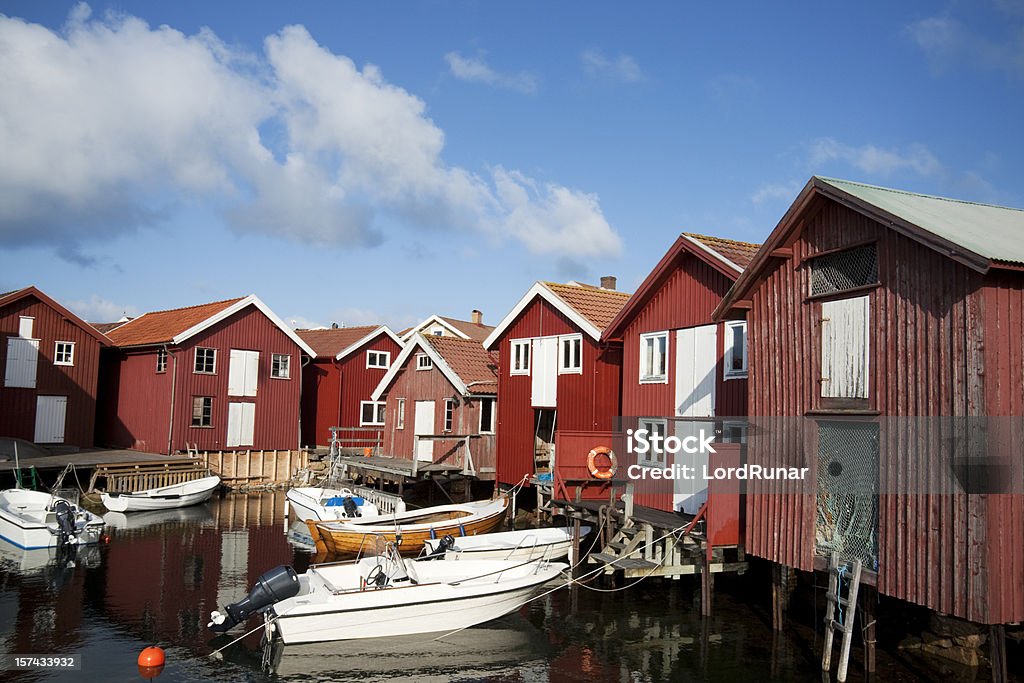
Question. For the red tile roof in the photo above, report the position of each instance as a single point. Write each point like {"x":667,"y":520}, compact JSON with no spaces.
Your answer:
{"x":740,"y":253}
{"x":597,"y":305}
{"x":105,"y":327}
{"x":469,"y":328}
{"x":160,"y":327}
{"x":477,"y":368}
{"x":329,"y":343}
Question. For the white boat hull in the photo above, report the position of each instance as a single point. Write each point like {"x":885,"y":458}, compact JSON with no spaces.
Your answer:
{"x":307,"y":504}
{"x":26,"y":522}
{"x":525,"y":545}
{"x":163,"y":498}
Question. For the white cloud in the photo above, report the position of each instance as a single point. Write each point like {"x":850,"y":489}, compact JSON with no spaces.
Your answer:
{"x":109,"y":124}
{"x":99,"y":310}
{"x":622,"y":68}
{"x":946,"y":41}
{"x":786,"y":192}
{"x":477,"y":70}
{"x":874,"y":160}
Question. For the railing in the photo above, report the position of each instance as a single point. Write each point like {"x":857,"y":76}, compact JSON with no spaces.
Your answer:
{"x":451,"y":456}
{"x":130,"y":477}
{"x":375,"y":444}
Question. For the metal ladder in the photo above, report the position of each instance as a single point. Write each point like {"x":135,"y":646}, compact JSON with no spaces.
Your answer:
{"x":835,"y":599}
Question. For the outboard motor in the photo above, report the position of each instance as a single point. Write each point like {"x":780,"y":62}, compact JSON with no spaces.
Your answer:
{"x":65,"y":521}
{"x":351,"y":509}
{"x":447,"y":543}
{"x":280,"y":583}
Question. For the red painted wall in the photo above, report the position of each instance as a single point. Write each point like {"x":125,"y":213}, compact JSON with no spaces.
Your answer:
{"x":586,"y":402}
{"x":77,"y":382}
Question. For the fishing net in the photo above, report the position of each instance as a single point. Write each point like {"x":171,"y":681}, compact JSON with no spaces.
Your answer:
{"x":847,"y":500}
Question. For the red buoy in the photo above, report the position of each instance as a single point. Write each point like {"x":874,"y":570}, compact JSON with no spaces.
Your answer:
{"x":151,"y":657}
{"x":150,"y":672}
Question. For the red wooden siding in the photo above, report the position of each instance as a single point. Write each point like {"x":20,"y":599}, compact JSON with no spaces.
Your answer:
{"x":586,"y":402}
{"x":431,"y":385}
{"x":77,"y":382}
{"x":332,"y":391}
{"x":944,"y":341}
{"x":139,"y":403}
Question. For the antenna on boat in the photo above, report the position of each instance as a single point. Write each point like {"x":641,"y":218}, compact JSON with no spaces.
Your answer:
{"x":17,"y":467}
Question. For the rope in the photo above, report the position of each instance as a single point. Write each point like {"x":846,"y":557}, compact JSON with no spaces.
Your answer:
{"x":839,"y":592}
{"x":244,"y":635}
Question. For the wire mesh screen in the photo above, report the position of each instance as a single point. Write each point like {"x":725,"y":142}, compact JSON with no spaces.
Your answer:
{"x":847,"y":510}
{"x":844,"y":270}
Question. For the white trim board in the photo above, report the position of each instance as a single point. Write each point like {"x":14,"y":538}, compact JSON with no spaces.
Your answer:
{"x":434,"y":319}
{"x":367,"y":339}
{"x":542,"y":290}
{"x":418,"y":342}
{"x":251,"y":300}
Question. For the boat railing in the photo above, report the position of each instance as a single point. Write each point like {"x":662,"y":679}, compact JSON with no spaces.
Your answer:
{"x":520,"y":545}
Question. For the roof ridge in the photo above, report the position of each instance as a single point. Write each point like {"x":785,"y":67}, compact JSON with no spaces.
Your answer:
{"x":917,"y":194}
{"x":697,"y":235}
{"x":185,"y":308}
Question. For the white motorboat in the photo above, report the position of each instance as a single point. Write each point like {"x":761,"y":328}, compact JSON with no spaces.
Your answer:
{"x":528,"y":544}
{"x":36,"y":519}
{"x":384,"y":595}
{"x":327,"y":505}
{"x":163,"y":498}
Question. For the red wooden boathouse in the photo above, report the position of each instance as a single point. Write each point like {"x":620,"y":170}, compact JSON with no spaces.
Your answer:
{"x":51,"y":361}
{"x":555,"y":374}
{"x":867,"y":307}
{"x":677,"y":362}
{"x":337,"y":383}
{"x":218,"y":376}
{"x":438,"y":386}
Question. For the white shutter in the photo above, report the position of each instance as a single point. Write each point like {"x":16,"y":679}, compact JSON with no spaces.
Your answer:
{"x":696,"y":363}
{"x":234,"y":424}
{"x":252,"y":367}
{"x":51,"y":414}
{"x":545,"y":372}
{"x":845,"y":348}
{"x":248,"y":426}
{"x":25,"y":324}
{"x":22,"y":359}
{"x":243,"y":372}
{"x":423,"y":423}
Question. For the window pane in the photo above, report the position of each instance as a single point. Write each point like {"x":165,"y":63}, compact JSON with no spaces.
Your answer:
{"x":738,"y":347}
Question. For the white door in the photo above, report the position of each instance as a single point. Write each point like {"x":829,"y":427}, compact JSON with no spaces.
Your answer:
{"x":423,"y":423}
{"x":696,"y":367}
{"x":241,"y":424}
{"x":22,"y":358}
{"x":243,"y":372}
{"x":51,"y":412}
{"x":545,"y":372}
{"x":844,"y":348}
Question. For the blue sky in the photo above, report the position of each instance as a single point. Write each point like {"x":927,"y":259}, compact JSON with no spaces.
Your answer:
{"x":368,"y":162}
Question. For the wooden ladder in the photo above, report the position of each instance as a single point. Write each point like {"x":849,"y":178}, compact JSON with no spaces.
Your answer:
{"x":835,"y":599}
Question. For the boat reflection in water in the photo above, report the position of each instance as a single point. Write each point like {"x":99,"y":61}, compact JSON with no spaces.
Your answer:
{"x":195,"y":515}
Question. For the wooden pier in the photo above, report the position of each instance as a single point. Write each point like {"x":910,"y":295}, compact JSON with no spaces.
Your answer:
{"x":398,"y":471}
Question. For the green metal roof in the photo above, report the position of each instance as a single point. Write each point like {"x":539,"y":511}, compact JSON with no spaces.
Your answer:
{"x":992,"y":232}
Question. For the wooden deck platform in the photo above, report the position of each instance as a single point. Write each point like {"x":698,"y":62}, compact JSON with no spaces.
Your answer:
{"x":397,"y":470}
{"x":87,"y":459}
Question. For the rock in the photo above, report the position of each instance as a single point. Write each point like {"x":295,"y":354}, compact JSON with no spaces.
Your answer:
{"x":951,"y":627}
{"x":910,"y":643}
{"x":317,"y":466}
{"x":974,"y":641}
{"x":961,"y":655}
{"x":929,"y":638}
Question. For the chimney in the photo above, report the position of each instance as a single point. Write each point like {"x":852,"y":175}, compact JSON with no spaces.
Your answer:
{"x":478,"y":317}
{"x":608,"y":282}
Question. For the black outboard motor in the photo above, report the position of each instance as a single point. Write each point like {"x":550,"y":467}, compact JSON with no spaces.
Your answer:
{"x":65,"y":521}
{"x":351,"y":509}
{"x":446,"y":544}
{"x":280,"y":583}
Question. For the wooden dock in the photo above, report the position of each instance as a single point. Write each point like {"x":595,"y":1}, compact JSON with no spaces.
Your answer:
{"x":393,"y":470}
{"x":88,"y":459}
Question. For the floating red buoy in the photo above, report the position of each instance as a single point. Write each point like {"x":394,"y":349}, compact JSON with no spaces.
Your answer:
{"x":150,"y":672}
{"x":151,"y":657}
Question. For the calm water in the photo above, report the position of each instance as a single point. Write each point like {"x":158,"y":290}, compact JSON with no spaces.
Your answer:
{"x":161,"y":574}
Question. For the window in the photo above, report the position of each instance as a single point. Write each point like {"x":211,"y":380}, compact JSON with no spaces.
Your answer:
{"x":202,"y":411}
{"x":845,"y":348}
{"x":520,"y":357}
{"x":654,"y":357}
{"x":280,"y":366}
{"x":735,"y":350}
{"x":844,"y":270}
{"x":654,"y":456}
{"x":400,"y":414}
{"x":378,"y":359}
{"x":449,"y":414}
{"x":570,"y":354}
{"x":161,"y":360}
{"x":25,"y":324}
{"x":206,"y":361}
{"x":64,"y":353}
{"x":437,"y":332}
{"x":423,"y":362}
{"x":487,"y":415}
{"x":371,"y":413}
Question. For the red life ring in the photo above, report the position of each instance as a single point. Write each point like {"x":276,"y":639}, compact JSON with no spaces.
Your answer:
{"x":599,"y":472}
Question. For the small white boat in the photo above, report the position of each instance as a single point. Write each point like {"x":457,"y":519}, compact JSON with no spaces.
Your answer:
{"x":327,"y":505}
{"x":163,"y":498}
{"x":528,"y":544}
{"x":384,"y":595}
{"x":36,"y":519}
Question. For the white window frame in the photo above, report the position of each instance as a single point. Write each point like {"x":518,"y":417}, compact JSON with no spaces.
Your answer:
{"x":378,"y":355}
{"x":202,"y":411}
{"x":25,"y":326}
{"x":400,"y":413}
{"x":727,"y":370}
{"x":161,"y":360}
{"x":488,"y":429}
{"x":195,"y":362}
{"x":421,"y":365}
{"x":562,"y":368}
{"x":653,"y":458}
{"x":449,"y":415}
{"x":70,"y":353}
{"x":651,"y":338}
{"x":437,"y":332}
{"x":524,"y":345}
{"x":378,"y":413}
{"x":275,"y":362}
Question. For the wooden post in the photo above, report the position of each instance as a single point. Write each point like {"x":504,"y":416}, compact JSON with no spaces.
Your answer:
{"x":707,"y":587}
{"x":780,"y":596}
{"x":868,"y":601}
{"x":997,"y":651}
{"x":575,"y":547}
